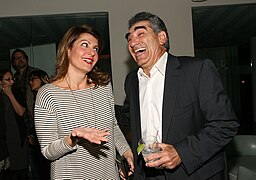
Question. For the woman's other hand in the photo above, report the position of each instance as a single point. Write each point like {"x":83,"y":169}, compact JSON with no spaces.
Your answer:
{"x":129,"y":158}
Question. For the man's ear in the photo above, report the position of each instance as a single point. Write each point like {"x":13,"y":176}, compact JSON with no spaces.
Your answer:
{"x":162,"y":37}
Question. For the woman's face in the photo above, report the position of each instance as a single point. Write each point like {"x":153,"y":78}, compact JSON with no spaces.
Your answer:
{"x":35,"y":83}
{"x":83,"y":55}
{"x":7,"y":80}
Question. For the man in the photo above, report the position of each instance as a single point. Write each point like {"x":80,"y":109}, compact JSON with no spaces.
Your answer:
{"x":179,"y":99}
{"x":20,"y":64}
{"x":23,"y":70}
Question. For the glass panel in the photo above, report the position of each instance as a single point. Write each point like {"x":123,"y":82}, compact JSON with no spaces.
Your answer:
{"x":36,"y":34}
{"x":227,"y":35}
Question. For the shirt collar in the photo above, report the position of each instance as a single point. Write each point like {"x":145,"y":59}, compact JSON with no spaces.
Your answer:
{"x":160,"y":66}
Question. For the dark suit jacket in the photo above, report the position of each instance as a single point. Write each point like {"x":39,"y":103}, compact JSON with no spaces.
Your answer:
{"x":197,"y":118}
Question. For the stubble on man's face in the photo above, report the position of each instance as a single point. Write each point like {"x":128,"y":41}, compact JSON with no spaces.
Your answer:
{"x":21,"y":64}
{"x":20,"y":61}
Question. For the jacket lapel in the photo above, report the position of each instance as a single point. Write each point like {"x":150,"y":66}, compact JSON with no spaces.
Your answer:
{"x":172,"y":76}
{"x":136,"y":108}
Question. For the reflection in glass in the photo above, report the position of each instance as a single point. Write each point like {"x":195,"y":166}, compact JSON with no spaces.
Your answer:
{"x":39,"y":37}
{"x":226,"y":34}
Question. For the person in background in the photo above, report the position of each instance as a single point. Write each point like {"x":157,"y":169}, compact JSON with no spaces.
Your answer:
{"x":37,"y":79}
{"x":16,"y":135}
{"x":74,"y":114}
{"x":4,"y":155}
{"x":179,"y":99}
{"x":20,"y":65}
{"x":40,"y":168}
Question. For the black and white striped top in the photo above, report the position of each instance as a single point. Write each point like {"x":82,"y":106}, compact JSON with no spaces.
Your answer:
{"x":58,"y":112}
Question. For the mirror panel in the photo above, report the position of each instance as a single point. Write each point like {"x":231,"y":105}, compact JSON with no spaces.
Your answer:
{"x":227,"y":35}
{"x":39,"y":37}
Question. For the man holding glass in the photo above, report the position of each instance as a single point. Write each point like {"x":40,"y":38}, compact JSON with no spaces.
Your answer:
{"x":181,"y":101}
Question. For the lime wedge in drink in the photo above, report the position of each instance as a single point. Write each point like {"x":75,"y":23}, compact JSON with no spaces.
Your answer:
{"x":140,"y":148}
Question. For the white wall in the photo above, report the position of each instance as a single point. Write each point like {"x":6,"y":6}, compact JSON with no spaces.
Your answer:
{"x":175,"y":13}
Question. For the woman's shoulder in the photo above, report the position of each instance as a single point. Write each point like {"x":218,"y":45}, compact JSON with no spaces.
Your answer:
{"x":48,"y":89}
{"x":106,"y":87}
{"x":48,"y":94}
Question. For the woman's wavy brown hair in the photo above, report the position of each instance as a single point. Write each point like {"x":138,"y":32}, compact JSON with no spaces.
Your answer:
{"x":96,"y":76}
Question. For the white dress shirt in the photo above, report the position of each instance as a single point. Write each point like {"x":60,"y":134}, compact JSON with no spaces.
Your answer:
{"x":151,"y":91}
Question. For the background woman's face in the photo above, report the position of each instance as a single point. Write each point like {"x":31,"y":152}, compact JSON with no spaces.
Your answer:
{"x":35,"y":83}
{"x":7,"y":79}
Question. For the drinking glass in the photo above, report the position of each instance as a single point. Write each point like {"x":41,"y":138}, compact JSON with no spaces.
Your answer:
{"x":150,"y":146}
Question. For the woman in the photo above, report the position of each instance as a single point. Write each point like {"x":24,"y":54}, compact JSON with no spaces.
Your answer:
{"x":40,"y":166}
{"x":74,"y":114}
{"x":37,"y":79}
{"x":16,"y":134}
{"x":4,"y":155}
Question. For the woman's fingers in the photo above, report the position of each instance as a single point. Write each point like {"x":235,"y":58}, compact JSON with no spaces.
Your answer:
{"x":92,"y":134}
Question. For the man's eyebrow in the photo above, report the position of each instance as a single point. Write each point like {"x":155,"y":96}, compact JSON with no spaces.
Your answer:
{"x":139,"y":27}
{"x":136,"y":28}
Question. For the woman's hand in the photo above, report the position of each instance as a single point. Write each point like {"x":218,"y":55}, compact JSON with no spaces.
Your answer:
{"x":129,"y":158}
{"x":91,"y":134}
{"x":19,"y":109}
{"x":32,"y":140}
{"x":7,"y":89}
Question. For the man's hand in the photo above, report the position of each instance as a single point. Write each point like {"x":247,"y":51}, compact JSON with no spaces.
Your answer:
{"x":166,"y":158}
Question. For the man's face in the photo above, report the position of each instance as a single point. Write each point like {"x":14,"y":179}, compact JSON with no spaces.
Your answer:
{"x":20,"y":60}
{"x":145,"y":46}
